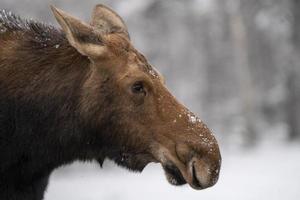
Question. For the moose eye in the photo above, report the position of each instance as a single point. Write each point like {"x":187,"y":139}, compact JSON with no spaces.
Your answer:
{"x":138,"y":87}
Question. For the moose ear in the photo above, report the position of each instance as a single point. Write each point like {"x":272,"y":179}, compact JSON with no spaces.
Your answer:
{"x":106,"y":20}
{"x":80,"y":35}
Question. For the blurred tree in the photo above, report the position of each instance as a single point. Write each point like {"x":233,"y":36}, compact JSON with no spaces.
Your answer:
{"x":241,"y":58}
{"x":293,"y":80}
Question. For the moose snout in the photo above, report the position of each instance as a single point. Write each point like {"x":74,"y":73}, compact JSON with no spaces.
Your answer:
{"x":198,"y":150}
{"x":202,"y":173}
{"x":186,"y":147}
{"x":199,"y":168}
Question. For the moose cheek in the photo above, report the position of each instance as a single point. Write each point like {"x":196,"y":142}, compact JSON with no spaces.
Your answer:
{"x":138,"y":99}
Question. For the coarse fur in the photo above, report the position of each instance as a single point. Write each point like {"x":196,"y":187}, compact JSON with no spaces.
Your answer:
{"x":40,"y":86}
{"x":61,"y":101}
{"x":39,"y":128}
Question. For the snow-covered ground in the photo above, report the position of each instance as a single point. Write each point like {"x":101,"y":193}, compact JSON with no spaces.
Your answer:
{"x":268,"y":172}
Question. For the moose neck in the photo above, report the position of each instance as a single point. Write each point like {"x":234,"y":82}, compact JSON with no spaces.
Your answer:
{"x":42,"y":80}
{"x":46,"y":86}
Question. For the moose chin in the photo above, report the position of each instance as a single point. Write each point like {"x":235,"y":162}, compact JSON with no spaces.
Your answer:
{"x":83,"y":92}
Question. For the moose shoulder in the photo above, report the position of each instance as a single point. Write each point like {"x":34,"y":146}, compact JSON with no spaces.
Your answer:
{"x":84,"y":92}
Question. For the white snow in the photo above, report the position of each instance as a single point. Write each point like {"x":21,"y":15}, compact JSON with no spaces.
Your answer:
{"x":192,"y":119}
{"x":152,"y":73}
{"x":2,"y":29}
{"x":268,"y":172}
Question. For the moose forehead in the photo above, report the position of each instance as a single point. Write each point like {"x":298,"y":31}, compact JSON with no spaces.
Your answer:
{"x":123,"y":49}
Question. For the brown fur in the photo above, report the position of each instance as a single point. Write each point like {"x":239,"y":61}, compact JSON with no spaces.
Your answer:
{"x":66,"y":97}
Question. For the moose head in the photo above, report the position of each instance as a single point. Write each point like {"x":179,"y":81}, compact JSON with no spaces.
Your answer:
{"x":131,"y":114}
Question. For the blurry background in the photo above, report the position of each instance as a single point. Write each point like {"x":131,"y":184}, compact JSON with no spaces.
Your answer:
{"x":236,"y":63}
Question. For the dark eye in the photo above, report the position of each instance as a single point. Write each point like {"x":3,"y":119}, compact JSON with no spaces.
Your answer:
{"x":138,"y":87}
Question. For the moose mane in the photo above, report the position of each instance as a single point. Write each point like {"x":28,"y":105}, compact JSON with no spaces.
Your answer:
{"x":43,"y":33}
{"x":42,"y":40}
{"x":41,"y":47}
{"x":38,"y":66}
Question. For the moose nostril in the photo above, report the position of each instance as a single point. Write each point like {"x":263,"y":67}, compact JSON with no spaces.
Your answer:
{"x":196,"y":182}
{"x":200,"y":173}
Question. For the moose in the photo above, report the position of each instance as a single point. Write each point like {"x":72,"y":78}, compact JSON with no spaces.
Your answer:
{"x":83,"y":92}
